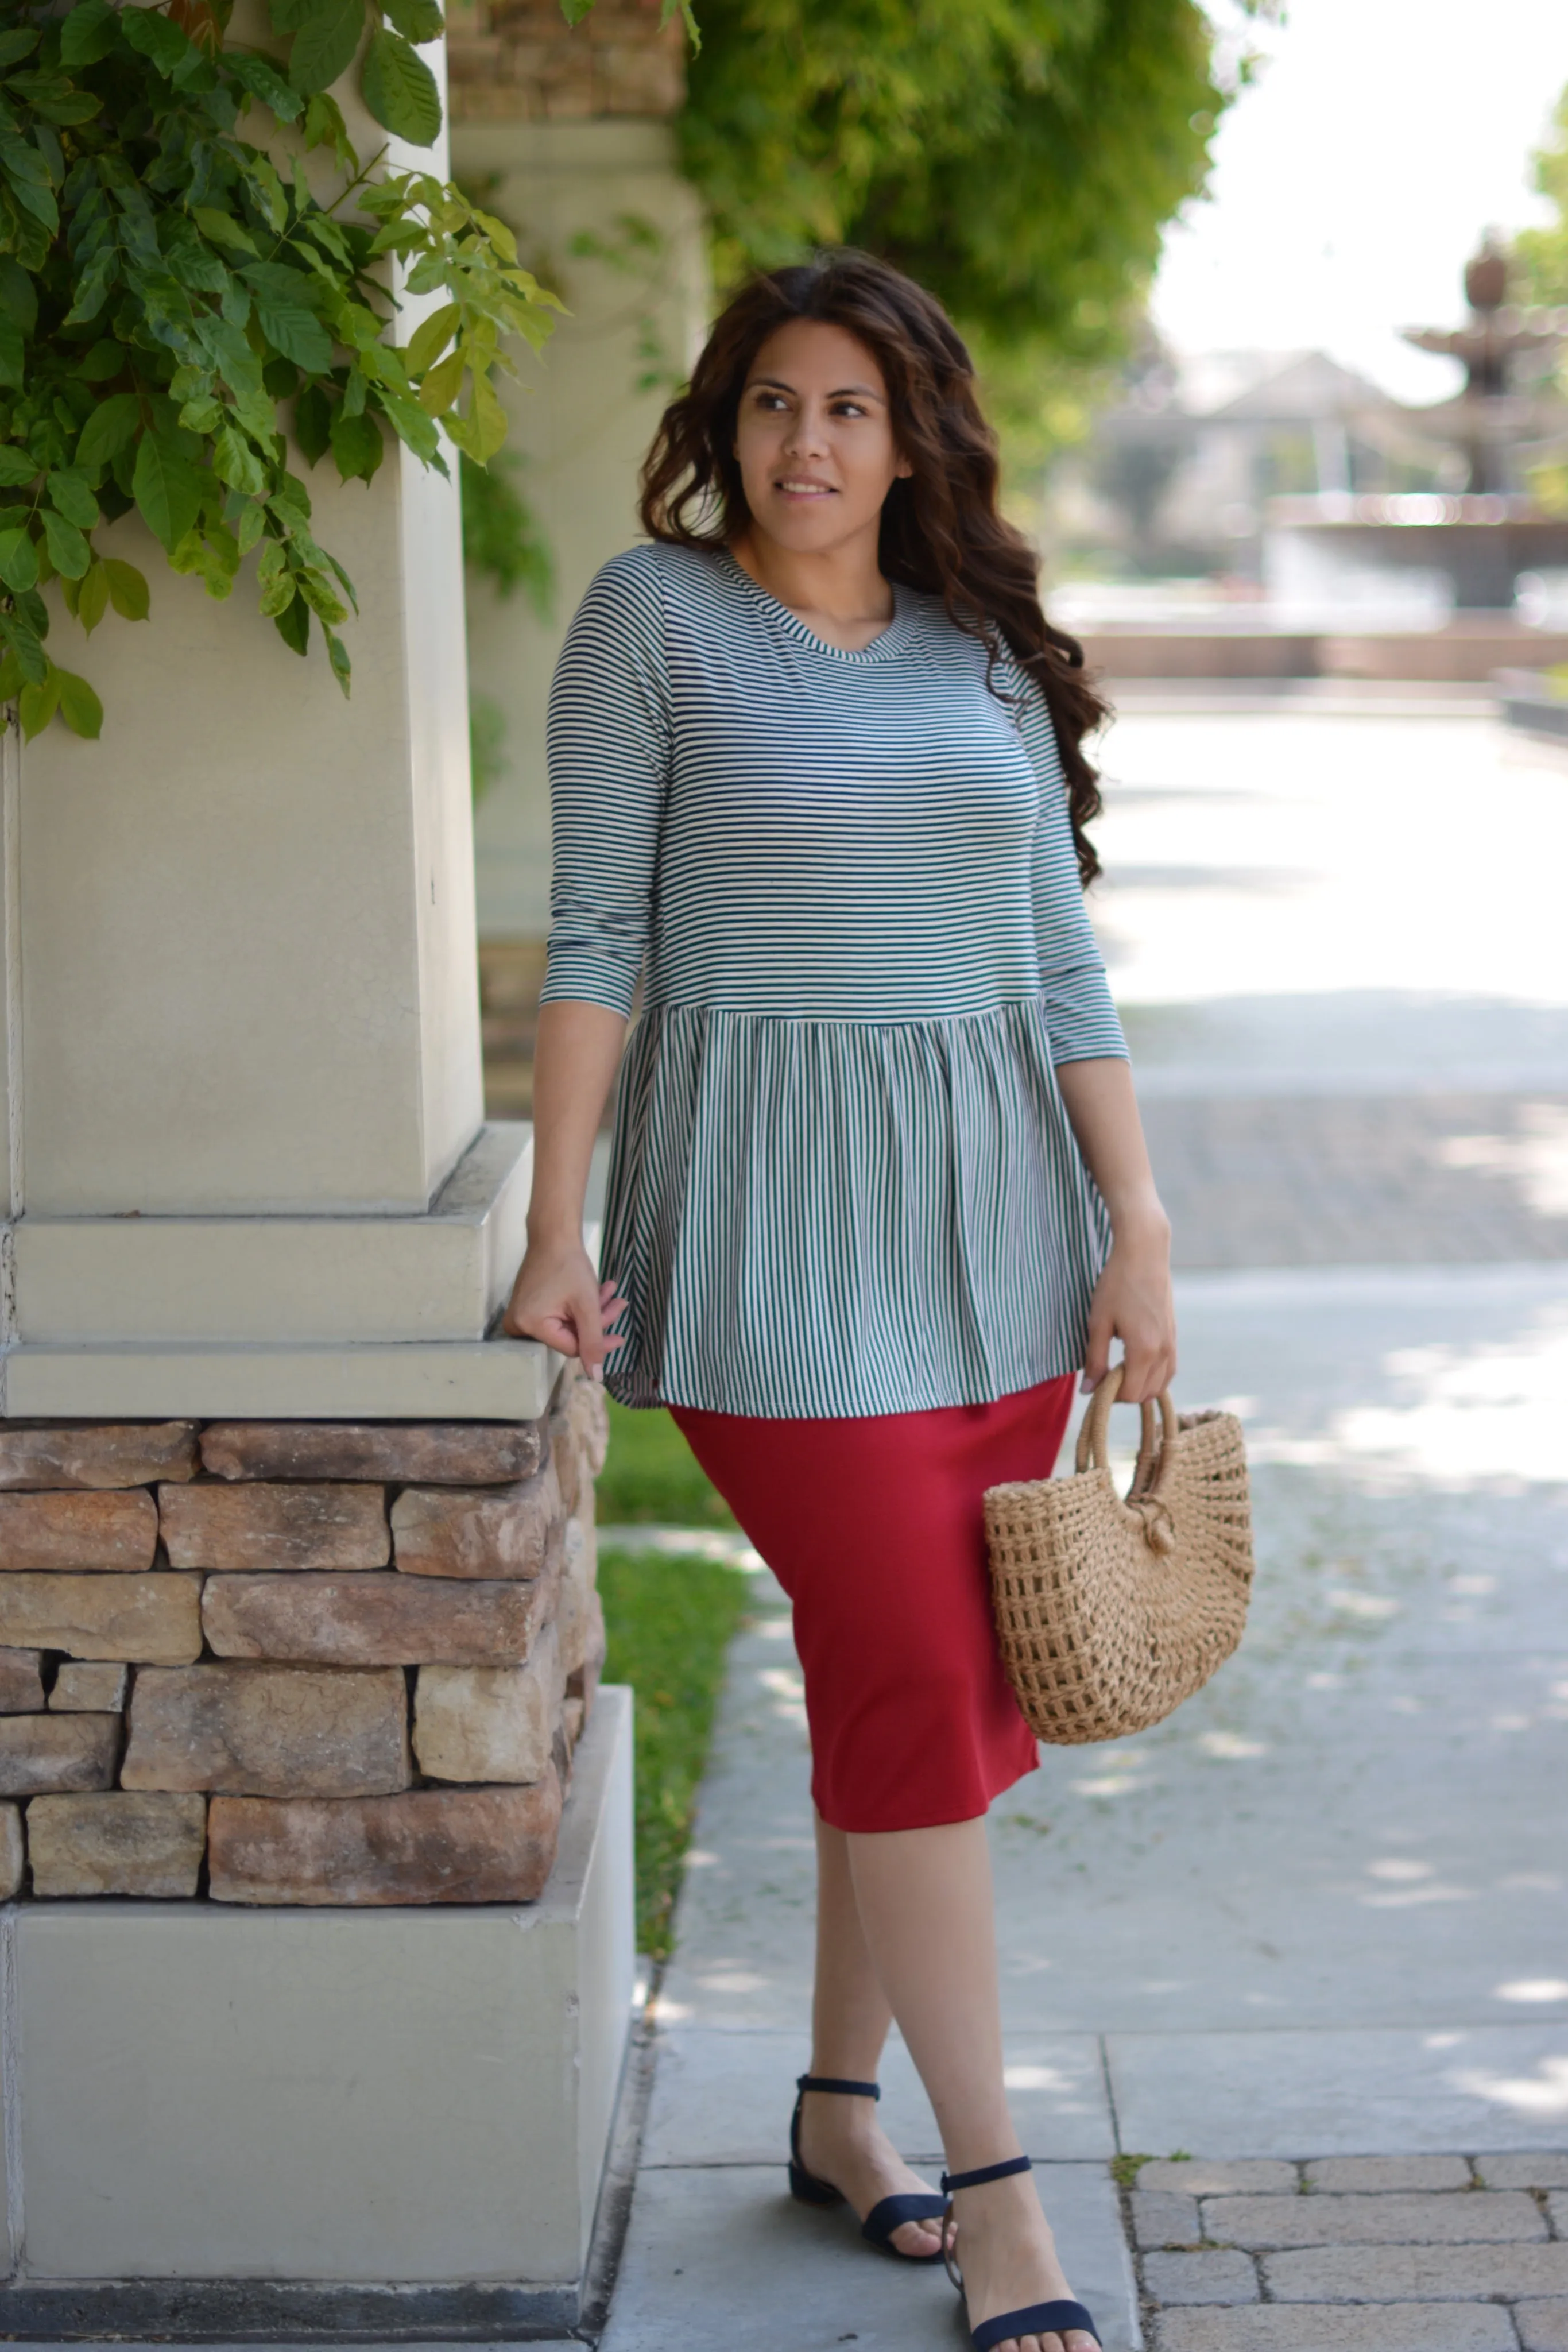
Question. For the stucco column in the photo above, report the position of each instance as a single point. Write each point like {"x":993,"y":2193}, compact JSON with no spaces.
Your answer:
{"x":570,"y":135}
{"x":247,"y":1168}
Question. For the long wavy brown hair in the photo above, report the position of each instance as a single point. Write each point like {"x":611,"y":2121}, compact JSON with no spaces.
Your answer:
{"x":940,"y":529}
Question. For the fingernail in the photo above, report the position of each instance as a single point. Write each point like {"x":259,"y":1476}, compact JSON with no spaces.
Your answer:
{"x":1085,"y":1386}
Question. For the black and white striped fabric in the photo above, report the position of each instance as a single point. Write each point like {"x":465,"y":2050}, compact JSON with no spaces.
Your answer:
{"x":842,"y":1180}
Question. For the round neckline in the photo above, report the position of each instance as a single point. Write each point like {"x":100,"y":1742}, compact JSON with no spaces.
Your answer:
{"x":887,"y":644}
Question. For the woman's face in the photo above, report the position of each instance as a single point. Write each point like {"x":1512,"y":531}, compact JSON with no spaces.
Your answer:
{"x":814,"y":438}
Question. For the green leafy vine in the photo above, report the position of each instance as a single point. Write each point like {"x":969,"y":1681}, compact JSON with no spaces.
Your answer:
{"x":173,"y":268}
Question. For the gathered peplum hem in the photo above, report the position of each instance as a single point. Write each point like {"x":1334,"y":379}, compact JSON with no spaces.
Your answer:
{"x":845,"y":1218}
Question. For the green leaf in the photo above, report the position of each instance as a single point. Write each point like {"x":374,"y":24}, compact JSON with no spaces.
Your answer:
{"x":19,"y":633}
{"x":344,"y":582}
{"x":69,"y":550}
{"x":80,"y":705}
{"x":12,"y":352}
{"x":203,"y":415}
{"x":215,"y":557}
{"x":284,"y":315}
{"x":443,"y":384}
{"x":104,"y":360}
{"x":32,"y":609}
{"x":320,"y":598}
{"x":157,"y":37}
{"x":313,"y":424}
{"x":338,"y":655}
{"x":223,"y":229}
{"x":401,"y":91}
{"x":10,"y":676}
{"x":252,"y":523}
{"x":411,"y":424}
{"x":32,"y":193}
{"x":237,"y":463}
{"x":16,"y":45}
{"x":277,"y":281}
{"x":18,"y":560}
{"x":36,"y":704}
{"x":430,"y":337}
{"x":324,"y":43}
{"x":112,"y":426}
{"x":268,"y":190}
{"x":70,"y":495}
{"x":325,"y":127}
{"x":264,"y":81}
{"x":290,"y":502}
{"x":482,"y":432}
{"x":24,"y":165}
{"x":88,"y":32}
{"x":356,"y":446}
{"x":92,"y":597}
{"x":670,"y":9}
{"x":19,"y":294}
{"x":416,"y":20}
{"x":281,"y":378}
{"x":128,"y":590}
{"x":167,"y":488}
{"x":293,"y":625}
{"x":70,"y":108}
{"x":16,"y":469}
{"x":92,"y":286}
{"x":428,"y":274}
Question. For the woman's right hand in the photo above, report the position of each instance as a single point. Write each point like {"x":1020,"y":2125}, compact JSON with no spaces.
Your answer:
{"x":558,"y":1297}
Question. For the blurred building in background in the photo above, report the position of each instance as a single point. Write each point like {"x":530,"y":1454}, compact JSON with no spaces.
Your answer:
{"x":1175,"y":478}
{"x":1252,"y":513}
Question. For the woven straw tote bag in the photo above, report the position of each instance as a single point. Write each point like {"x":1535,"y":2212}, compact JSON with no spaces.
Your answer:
{"x":1110,"y":1609}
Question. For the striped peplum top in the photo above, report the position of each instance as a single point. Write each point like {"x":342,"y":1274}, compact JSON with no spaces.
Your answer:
{"x":843,"y":1178}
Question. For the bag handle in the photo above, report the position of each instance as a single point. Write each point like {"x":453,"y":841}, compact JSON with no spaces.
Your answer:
{"x":1142,"y":1502}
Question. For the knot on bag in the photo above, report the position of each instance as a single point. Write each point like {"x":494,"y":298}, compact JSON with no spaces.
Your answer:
{"x":1159,"y":1532}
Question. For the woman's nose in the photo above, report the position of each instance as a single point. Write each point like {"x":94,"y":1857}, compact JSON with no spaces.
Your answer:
{"x":806,"y":436}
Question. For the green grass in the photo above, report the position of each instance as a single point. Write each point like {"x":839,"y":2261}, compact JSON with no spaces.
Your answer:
{"x":669,"y":1623}
{"x":652,"y":1479}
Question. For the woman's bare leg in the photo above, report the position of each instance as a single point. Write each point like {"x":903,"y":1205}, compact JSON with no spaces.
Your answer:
{"x":925,"y":1908}
{"x":840,"y":2138}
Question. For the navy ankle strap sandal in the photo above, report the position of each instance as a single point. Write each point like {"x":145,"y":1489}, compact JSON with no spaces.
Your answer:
{"x":1034,"y":2318}
{"x":892,"y":2212}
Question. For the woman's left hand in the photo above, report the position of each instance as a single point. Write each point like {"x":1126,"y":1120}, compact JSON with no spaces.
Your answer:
{"x":1133,"y":1302}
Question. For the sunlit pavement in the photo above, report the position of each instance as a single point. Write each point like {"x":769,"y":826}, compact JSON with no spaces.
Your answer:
{"x":1323,"y":1911}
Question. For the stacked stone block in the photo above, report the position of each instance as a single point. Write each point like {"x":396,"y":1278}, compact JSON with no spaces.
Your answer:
{"x":296,"y":1662}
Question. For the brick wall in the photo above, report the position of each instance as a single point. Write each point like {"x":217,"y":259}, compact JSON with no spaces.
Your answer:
{"x":519,"y":61}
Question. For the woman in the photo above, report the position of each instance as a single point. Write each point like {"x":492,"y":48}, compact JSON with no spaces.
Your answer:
{"x":878,"y":1189}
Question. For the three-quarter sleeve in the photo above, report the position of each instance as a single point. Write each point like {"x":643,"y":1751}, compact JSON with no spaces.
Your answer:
{"x":1080,"y":1015}
{"x":608,"y":740}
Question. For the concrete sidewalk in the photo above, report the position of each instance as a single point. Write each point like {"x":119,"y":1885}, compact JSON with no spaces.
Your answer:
{"x":1322,"y":1914}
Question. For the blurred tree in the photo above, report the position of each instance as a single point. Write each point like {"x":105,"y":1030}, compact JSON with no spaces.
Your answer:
{"x":1541,"y":255}
{"x":1020,"y":157}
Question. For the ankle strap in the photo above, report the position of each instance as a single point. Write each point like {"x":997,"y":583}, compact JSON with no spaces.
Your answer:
{"x":951,"y":2180}
{"x":833,"y":2082}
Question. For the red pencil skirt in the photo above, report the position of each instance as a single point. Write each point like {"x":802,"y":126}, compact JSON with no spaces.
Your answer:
{"x":875,"y":1528}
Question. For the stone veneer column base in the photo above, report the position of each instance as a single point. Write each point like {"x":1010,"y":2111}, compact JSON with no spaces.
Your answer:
{"x":383,"y":2124}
